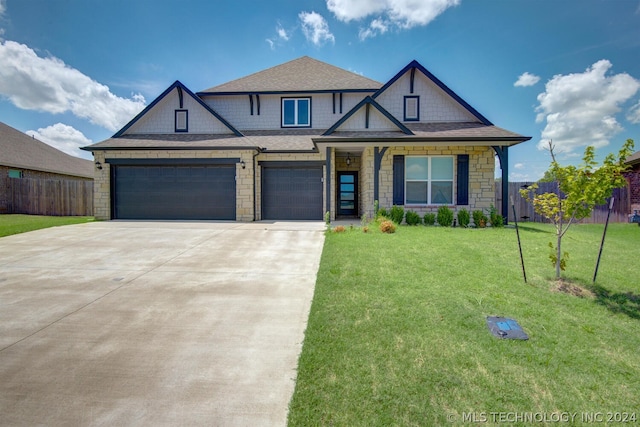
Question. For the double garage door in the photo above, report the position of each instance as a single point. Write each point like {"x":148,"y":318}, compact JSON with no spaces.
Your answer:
{"x":184,"y":191}
{"x":196,"y":190}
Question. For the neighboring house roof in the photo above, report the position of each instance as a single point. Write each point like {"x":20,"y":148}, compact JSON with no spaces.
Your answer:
{"x":21,"y":151}
{"x":300,"y":75}
{"x":633,"y":159}
{"x":181,"y":90}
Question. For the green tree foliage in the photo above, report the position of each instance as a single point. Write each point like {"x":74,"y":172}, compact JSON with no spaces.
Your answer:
{"x":580,"y":189}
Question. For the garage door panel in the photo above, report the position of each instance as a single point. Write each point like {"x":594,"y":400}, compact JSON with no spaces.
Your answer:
{"x":175,"y":192}
{"x":292,"y":193}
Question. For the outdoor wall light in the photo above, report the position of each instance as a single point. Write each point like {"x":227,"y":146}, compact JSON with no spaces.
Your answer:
{"x":98,"y":166}
{"x":242,"y":164}
{"x":348,"y":161}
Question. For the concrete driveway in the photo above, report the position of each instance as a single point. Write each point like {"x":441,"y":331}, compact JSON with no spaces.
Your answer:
{"x":154,"y":323}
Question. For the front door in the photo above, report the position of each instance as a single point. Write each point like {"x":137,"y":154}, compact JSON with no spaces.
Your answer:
{"x":348,"y":193}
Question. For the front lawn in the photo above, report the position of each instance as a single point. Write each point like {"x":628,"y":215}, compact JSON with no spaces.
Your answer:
{"x":397,"y":332}
{"x":16,"y":223}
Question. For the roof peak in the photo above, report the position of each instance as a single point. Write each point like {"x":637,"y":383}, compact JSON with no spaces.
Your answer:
{"x":302,"y":74}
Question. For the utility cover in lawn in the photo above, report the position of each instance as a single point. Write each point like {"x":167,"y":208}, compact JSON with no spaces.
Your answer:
{"x":505,"y":328}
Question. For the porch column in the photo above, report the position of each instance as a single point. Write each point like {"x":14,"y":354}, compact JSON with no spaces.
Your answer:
{"x":377,"y":161}
{"x":503,"y":156}
{"x":327,"y":180}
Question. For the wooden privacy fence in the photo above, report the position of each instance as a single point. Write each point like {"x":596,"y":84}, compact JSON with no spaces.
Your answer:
{"x":524,"y":210}
{"x":51,"y":197}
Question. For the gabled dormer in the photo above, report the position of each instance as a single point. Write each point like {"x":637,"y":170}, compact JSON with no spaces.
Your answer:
{"x":303,"y":93}
{"x":368,"y":115}
{"x":177,"y":111}
{"x":415,"y":95}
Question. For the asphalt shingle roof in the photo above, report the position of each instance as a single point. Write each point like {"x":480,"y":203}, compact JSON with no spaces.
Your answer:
{"x":633,"y":159}
{"x":300,"y":75}
{"x":21,"y":151}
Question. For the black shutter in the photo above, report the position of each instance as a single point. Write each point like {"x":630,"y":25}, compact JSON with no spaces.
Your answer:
{"x":398,"y":180}
{"x":462,"y":180}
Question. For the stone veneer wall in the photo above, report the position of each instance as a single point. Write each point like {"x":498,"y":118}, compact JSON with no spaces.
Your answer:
{"x":481,"y":176}
{"x":244,"y":181}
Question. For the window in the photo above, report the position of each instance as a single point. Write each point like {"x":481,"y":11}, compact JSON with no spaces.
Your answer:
{"x":411,"y":108}
{"x":15,"y":173}
{"x":296,"y":112}
{"x":428,"y":180}
{"x":182,"y":121}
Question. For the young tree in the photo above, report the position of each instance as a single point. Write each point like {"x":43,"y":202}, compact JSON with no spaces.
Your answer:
{"x":579,"y":190}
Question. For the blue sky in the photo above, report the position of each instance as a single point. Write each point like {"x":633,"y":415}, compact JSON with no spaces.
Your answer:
{"x":72,"y":72}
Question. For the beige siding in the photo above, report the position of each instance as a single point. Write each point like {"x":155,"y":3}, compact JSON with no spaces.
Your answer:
{"x":237,"y":110}
{"x":435,"y":104}
{"x":161,"y":118}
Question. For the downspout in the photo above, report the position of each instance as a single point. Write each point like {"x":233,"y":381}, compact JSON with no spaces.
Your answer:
{"x":255,"y":204}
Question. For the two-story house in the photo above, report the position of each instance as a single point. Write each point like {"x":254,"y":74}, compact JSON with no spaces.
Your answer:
{"x":296,"y":141}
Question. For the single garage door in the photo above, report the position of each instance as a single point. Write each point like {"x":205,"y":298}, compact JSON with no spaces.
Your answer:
{"x":291,"y":192}
{"x":174,"y":192}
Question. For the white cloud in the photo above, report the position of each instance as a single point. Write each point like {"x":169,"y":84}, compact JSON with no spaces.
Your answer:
{"x":315,"y":28}
{"x":3,"y":7}
{"x":580,"y":109}
{"x":63,"y":137}
{"x":282,"y":33}
{"x":634,"y":114}
{"x":403,"y":14}
{"x":527,"y":79}
{"x":377,"y":26}
{"x":48,"y":84}
{"x":271,"y":43}
{"x":518,"y":166}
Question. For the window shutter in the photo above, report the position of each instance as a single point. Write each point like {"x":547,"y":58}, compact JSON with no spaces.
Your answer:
{"x":462,"y":181}
{"x":398,"y":180}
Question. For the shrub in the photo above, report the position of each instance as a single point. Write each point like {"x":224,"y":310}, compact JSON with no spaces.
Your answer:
{"x":382,"y":213}
{"x":387,"y":227}
{"x":365,"y":229}
{"x":444,"y":216}
{"x":412,"y":218}
{"x":429,"y":218}
{"x":479,"y":219}
{"x":397,"y":214}
{"x":327,"y":218}
{"x":463,"y":218}
{"x":339,"y":229}
{"x":495,"y":218}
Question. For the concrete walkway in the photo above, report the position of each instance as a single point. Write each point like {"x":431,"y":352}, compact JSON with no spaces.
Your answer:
{"x":154,"y":323}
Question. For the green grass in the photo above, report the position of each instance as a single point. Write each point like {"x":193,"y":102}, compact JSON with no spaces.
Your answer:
{"x":15,"y":224}
{"x":397,"y":332}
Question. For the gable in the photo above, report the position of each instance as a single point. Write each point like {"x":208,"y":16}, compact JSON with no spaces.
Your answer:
{"x":436,"y":102}
{"x":368,"y":115}
{"x":177,"y":110}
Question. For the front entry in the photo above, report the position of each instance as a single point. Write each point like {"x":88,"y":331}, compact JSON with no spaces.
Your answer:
{"x":347,"y":193}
